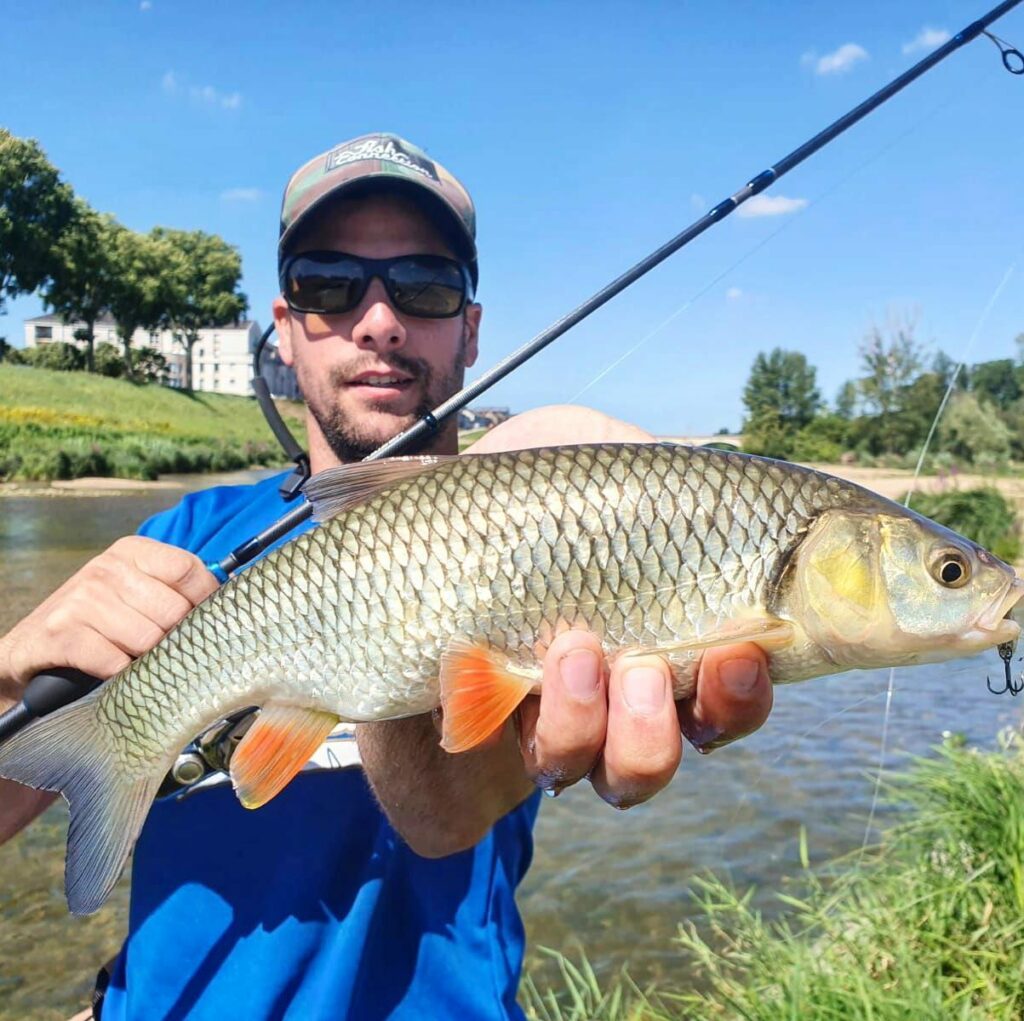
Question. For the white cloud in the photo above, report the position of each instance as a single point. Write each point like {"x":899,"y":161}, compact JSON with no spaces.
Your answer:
{"x":241,"y":195}
{"x":734,"y":294}
{"x":202,"y":95}
{"x":698,"y":203}
{"x":837,"y":62}
{"x":770,"y":205}
{"x":927,"y":39}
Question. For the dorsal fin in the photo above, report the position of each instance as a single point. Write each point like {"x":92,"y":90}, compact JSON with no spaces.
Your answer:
{"x":338,"y":489}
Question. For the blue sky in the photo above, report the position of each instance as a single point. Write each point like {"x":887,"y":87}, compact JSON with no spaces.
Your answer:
{"x":589,"y":134}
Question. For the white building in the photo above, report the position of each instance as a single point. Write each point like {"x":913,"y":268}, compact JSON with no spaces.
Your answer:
{"x":221,"y":358}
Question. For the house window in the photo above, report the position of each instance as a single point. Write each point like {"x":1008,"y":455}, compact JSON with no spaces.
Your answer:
{"x":44,"y":333}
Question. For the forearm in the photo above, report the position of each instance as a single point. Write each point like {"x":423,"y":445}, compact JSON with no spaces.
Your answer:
{"x":440,"y":803}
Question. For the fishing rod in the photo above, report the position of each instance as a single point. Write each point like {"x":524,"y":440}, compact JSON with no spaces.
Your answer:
{"x":47,"y":692}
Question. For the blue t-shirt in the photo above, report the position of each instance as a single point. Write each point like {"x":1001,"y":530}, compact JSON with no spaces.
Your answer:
{"x":312,"y":906}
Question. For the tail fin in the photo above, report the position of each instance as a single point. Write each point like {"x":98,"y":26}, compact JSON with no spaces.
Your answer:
{"x":69,"y":752}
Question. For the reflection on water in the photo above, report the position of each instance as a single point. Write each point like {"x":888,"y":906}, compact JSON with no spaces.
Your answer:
{"x":613,"y":881}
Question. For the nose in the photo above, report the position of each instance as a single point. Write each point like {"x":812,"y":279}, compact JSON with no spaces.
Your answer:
{"x":377,"y":323}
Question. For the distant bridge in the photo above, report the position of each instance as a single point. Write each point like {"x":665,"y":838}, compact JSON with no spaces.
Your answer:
{"x":701,"y":441}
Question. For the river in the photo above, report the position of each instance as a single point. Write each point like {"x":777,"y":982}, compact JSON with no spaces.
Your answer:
{"x":614,"y":882}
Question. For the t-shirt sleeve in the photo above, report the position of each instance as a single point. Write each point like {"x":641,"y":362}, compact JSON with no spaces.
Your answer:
{"x":188,"y":524}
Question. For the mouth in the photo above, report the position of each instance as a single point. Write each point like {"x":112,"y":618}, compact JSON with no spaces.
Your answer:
{"x":1002,"y":622}
{"x":381,"y":384}
{"x":1006,"y":606}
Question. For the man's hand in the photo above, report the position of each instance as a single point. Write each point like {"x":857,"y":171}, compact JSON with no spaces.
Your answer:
{"x":118,"y":606}
{"x":620,"y":727}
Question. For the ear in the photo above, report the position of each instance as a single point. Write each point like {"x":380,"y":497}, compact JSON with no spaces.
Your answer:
{"x":283,"y":326}
{"x":471,"y":317}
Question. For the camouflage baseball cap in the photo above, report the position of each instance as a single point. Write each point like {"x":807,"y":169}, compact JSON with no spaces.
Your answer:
{"x":387,"y":161}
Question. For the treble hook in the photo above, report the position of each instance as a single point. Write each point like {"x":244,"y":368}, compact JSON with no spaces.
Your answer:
{"x":1013,"y":59}
{"x":1005,"y":650}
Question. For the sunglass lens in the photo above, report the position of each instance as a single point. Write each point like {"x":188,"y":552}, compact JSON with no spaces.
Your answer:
{"x":325,"y":285}
{"x":433,"y":288}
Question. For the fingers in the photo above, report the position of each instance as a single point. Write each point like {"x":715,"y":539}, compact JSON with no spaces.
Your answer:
{"x":734,"y":696}
{"x":562,"y":732}
{"x":621,"y":731}
{"x":643,"y":746}
{"x":179,"y":569}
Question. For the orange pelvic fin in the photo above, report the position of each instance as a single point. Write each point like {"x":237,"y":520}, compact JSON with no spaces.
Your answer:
{"x":275,"y":748}
{"x":480,"y":690}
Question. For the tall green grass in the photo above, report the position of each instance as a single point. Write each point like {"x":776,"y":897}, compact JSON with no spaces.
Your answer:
{"x":929,"y":926}
{"x":59,"y":425}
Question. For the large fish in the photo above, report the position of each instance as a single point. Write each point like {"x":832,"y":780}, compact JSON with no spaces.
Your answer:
{"x":441,"y":580}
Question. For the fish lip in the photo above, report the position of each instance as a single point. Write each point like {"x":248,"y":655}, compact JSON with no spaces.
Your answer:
{"x":999,"y":614}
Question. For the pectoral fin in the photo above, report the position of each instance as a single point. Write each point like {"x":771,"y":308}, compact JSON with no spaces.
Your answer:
{"x":275,"y":748}
{"x":768,"y":632}
{"x":480,"y":690}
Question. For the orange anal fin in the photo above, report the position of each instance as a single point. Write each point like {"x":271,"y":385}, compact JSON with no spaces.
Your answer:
{"x":479,"y":692}
{"x":275,"y":748}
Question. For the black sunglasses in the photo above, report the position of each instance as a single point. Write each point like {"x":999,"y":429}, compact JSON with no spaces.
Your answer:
{"x":426,"y":286}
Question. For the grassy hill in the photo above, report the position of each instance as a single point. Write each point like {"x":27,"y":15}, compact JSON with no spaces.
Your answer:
{"x":61,"y":425}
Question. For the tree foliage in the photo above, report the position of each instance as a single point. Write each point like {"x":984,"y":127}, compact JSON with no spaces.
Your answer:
{"x":203,"y":276}
{"x":35,"y":208}
{"x":142,"y":291}
{"x":781,"y":397}
{"x":85,"y":273}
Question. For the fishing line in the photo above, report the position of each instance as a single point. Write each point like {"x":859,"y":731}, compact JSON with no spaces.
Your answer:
{"x":951,"y":100}
{"x":975,"y":333}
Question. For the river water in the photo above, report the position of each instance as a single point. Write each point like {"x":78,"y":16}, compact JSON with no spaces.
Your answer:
{"x":613,"y":882}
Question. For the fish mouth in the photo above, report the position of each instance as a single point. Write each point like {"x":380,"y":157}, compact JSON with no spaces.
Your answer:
{"x":1002,"y":621}
{"x":1001,"y":610}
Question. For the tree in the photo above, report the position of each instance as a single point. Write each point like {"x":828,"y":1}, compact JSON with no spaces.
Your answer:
{"x":141,"y":295}
{"x":85,"y":273}
{"x":204,"y":274}
{"x":970,"y":430}
{"x":998,"y":381}
{"x":890,"y":366}
{"x":35,"y":208}
{"x":846,"y":400}
{"x":781,"y":398}
{"x":782,"y":383}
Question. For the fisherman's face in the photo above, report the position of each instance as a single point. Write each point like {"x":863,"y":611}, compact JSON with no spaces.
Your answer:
{"x":370,"y":373}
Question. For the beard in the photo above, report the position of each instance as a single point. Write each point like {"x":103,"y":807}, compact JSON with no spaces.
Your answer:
{"x":351,"y":439}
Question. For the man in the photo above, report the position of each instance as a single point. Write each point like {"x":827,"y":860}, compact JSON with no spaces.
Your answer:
{"x":385,"y":891}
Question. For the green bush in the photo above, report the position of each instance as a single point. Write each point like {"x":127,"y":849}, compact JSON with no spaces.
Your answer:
{"x":983,"y":515}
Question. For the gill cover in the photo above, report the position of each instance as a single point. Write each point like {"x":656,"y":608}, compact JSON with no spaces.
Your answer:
{"x":836,"y":579}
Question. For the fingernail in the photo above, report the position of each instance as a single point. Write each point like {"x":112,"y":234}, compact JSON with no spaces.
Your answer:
{"x":739,"y":677}
{"x":580,"y":674}
{"x":643,"y":688}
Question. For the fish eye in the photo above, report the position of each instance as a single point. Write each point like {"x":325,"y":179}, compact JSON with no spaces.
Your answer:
{"x":951,"y":569}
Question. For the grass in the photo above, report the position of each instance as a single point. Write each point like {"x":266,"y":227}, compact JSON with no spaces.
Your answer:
{"x":70,"y":424}
{"x":929,"y":925}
